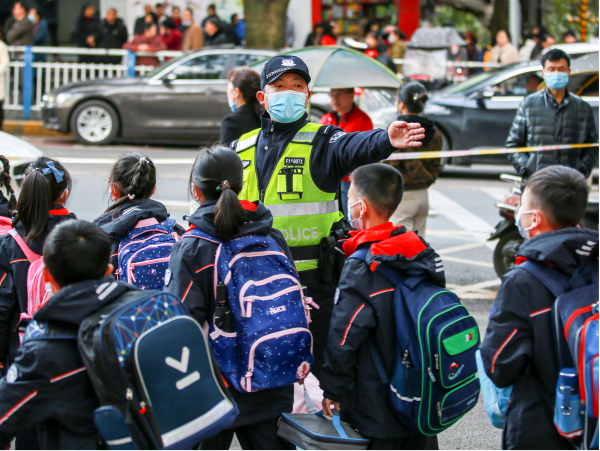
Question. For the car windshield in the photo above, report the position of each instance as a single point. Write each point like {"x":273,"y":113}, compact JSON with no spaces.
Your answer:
{"x":160,"y":68}
{"x":471,"y":82}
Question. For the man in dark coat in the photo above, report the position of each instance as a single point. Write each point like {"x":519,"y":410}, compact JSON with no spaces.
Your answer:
{"x":364,"y":310}
{"x":112,"y":35}
{"x":49,"y":10}
{"x":86,"y":29}
{"x":554,"y":116}
{"x":214,"y":34}
{"x":518,"y":345}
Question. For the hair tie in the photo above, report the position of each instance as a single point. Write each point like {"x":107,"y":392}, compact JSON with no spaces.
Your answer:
{"x":222,"y":186}
{"x":58,"y":175}
{"x":143,"y":159}
{"x":416,"y":97}
{"x":131,"y":196}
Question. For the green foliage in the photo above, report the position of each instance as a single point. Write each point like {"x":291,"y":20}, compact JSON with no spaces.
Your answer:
{"x":463,"y":21}
{"x":557,"y":12}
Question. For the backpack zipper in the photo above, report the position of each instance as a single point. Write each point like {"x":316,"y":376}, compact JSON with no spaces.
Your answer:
{"x":437,"y":361}
{"x":439,"y":409}
{"x":431,"y":375}
{"x":132,"y":266}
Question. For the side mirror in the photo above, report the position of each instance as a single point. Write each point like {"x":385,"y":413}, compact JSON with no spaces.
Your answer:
{"x":487,"y":93}
{"x":169,"y":78}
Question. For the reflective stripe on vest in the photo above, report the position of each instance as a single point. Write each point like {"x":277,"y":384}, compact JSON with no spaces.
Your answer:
{"x":310,"y":208}
{"x":301,"y":211}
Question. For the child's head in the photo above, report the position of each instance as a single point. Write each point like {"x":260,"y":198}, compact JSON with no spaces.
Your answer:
{"x":47,"y":183}
{"x":217,"y":175}
{"x":554,"y":198}
{"x":5,"y":180}
{"x":375,"y":193}
{"x":133,"y":176}
{"x":76,"y":251}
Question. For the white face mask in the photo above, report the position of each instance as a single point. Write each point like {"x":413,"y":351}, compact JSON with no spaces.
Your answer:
{"x":356,"y":224}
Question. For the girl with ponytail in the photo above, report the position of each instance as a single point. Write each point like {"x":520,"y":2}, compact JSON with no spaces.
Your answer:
{"x":7,"y":205}
{"x":215,"y":181}
{"x":131,"y":184}
{"x":40,"y":208}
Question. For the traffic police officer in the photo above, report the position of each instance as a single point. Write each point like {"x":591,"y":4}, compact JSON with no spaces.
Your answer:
{"x":295,"y":168}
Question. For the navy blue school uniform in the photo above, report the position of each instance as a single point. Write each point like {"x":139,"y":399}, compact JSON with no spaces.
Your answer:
{"x":13,"y":281}
{"x":119,"y":222}
{"x":364,"y":309}
{"x":192,"y":276}
{"x":47,"y":387}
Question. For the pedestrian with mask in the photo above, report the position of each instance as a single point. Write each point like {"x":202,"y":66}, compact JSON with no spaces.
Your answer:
{"x":519,"y":345}
{"x":554,"y":116}
{"x":295,"y":168}
{"x":245,"y":115}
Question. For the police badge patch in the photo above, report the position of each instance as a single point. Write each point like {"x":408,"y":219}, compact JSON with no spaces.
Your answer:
{"x":337,"y":296}
{"x":336,"y":136}
{"x":245,"y":163}
{"x":167,"y":277}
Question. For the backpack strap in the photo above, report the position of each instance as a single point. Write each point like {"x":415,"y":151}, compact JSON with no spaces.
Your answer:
{"x":197,"y":233}
{"x":337,"y":424}
{"x":378,"y":362}
{"x":555,"y":281}
{"x":31,"y":256}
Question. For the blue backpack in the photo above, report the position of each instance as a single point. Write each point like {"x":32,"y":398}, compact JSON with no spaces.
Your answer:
{"x":267,"y":343}
{"x":144,"y":253}
{"x":575,"y":326}
{"x":434,"y":381}
{"x":153,"y":373}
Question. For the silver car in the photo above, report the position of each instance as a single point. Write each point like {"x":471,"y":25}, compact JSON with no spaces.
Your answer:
{"x":182,"y":100}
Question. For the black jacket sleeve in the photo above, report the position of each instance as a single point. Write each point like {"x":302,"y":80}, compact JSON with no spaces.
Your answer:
{"x":336,"y":154}
{"x":229,"y":130}
{"x":352,"y":321}
{"x":47,"y":380}
{"x":508,"y":344}
{"x":590,"y":156}
{"x":517,"y":137}
{"x":191,"y":267}
{"x":8,"y":298}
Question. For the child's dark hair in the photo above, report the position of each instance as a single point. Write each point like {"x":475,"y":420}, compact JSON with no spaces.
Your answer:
{"x":217,"y":172}
{"x":561,"y":193}
{"x":5,"y":183}
{"x":76,"y":251}
{"x":134,"y":175}
{"x":381,"y":184}
{"x":414,"y":96}
{"x":40,"y":191}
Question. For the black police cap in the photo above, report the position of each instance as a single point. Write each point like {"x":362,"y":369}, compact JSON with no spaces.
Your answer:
{"x":279,"y":65}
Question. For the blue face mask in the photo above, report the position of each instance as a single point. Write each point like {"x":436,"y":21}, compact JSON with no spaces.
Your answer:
{"x":556,"y":80}
{"x":286,"y":106}
{"x":233,"y":106}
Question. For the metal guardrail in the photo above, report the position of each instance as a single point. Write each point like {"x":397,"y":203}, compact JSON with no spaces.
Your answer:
{"x":468,"y":64}
{"x":27,"y":81}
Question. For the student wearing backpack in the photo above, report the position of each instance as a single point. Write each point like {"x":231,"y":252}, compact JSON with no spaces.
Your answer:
{"x":215,"y":180}
{"x":519,"y":347}
{"x":40,"y":208}
{"x":364,"y":311}
{"x":134,"y":217}
{"x":47,"y":387}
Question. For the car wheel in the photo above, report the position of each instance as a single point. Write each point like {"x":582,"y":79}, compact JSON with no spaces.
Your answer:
{"x":95,"y":122}
{"x":504,"y":253}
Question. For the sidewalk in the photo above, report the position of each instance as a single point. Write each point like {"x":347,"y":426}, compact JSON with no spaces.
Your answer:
{"x":28,"y":128}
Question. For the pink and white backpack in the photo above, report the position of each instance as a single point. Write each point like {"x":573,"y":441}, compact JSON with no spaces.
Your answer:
{"x":36,"y":282}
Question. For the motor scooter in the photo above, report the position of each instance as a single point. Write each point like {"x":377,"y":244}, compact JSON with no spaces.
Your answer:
{"x":507,"y":233}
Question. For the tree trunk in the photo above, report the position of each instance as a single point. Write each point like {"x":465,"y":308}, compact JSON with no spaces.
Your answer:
{"x":265,"y":23}
{"x":500,"y":18}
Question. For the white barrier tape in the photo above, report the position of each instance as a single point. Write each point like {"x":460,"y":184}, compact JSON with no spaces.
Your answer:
{"x":394,"y":156}
{"x":498,"y":151}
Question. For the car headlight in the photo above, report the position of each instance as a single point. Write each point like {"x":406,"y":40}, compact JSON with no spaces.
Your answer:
{"x":48,"y":98}
{"x":62,"y":98}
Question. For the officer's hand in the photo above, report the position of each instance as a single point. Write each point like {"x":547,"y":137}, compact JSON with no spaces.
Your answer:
{"x":326,"y":406}
{"x":403,"y":134}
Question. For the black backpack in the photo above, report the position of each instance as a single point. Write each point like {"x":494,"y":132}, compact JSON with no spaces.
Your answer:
{"x":151,"y":368}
